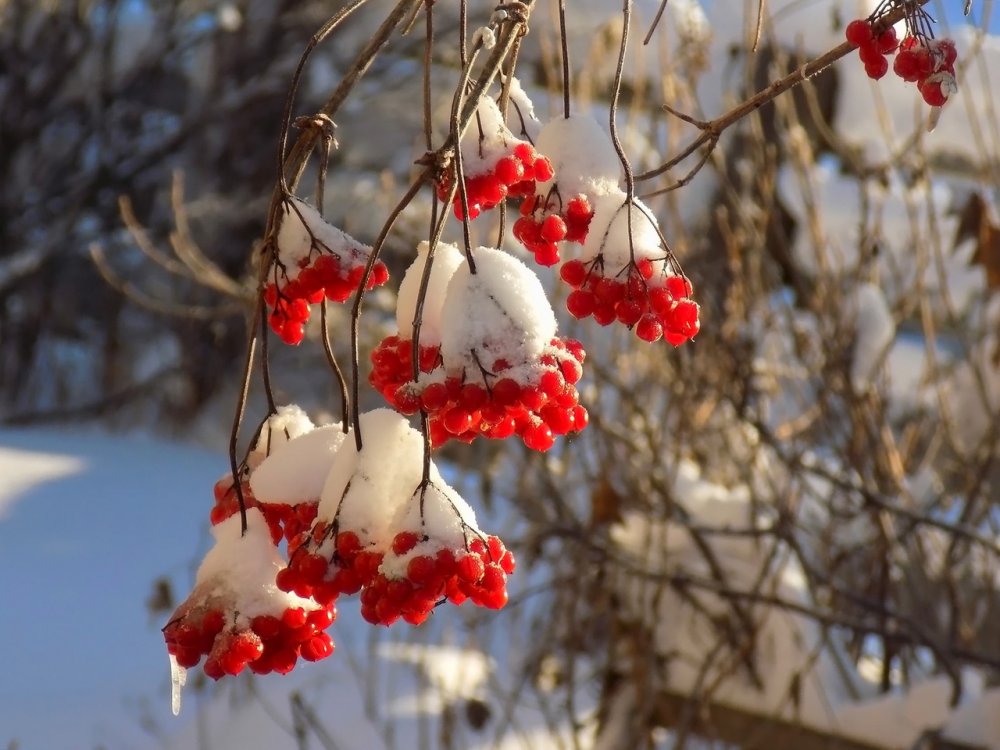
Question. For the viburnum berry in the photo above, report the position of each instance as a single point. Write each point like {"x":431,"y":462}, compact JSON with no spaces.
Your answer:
{"x":312,"y":260}
{"x":237,"y":620}
{"x":496,"y":165}
{"x":859,"y":32}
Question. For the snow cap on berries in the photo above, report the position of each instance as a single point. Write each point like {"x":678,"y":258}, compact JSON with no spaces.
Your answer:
{"x":364,"y":490}
{"x":582,"y":155}
{"x":303,"y":232}
{"x":298,"y":471}
{"x":481,"y":152}
{"x":240,"y":569}
{"x":447,"y":257}
{"x":444,"y":518}
{"x":287,"y":423}
{"x":609,"y":232}
{"x":500,"y":312}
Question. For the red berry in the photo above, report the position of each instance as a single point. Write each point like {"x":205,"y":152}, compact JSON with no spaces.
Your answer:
{"x":543,"y":169}
{"x":887,"y":41}
{"x":404,"y":541}
{"x":509,"y":170}
{"x":877,"y":68}
{"x":546,"y":254}
{"x":573,"y":272}
{"x":858,"y":32}
{"x":553,"y":228}
{"x":580,"y":303}
{"x":933,"y":94}
{"x":870,"y":54}
{"x":649,"y":328}
{"x":538,"y":436}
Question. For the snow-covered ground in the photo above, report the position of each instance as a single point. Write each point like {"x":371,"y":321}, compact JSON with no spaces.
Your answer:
{"x":89,"y":521}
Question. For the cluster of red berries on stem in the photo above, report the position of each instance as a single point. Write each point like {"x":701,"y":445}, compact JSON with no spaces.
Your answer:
{"x":654,"y":306}
{"x":268,"y":643}
{"x":512,"y":175}
{"x":436,"y":572}
{"x":325,"y":277}
{"x":541,"y":227}
{"x":311,"y":575}
{"x":929,"y":63}
{"x":536,"y":404}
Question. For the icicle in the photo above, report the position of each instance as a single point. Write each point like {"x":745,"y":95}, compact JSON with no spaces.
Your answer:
{"x":178,"y":677}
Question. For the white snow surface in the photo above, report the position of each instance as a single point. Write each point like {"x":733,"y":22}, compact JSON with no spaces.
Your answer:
{"x":32,"y":468}
{"x":523,"y":117}
{"x":444,"y":517}
{"x":487,"y":139}
{"x":286,"y":424}
{"x":875,"y":330}
{"x":297,"y":472}
{"x":501,"y":311}
{"x":976,"y":722}
{"x":609,"y":234}
{"x":447,"y":258}
{"x":583,"y":157}
{"x":303,"y":231}
{"x":240,"y":569}
{"x":365,"y":489}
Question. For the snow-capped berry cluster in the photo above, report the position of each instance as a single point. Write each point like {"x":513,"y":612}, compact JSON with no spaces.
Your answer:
{"x":436,"y":554}
{"x":494,"y":373}
{"x":496,"y":164}
{"x":361,"y":532}
{"x":313,"y":260}
{"x":930,"y":63}
{"x":626,"y":275}
{"x":585,"y":166}
{"x":237,"y":617}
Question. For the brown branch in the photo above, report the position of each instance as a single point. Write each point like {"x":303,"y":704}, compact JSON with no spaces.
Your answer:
{"x":713,"y":129}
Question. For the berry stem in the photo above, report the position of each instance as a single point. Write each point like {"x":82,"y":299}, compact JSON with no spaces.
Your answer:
{"x":564,"y":47}
{"x":345,"y":401}
{"x":405,"y":201}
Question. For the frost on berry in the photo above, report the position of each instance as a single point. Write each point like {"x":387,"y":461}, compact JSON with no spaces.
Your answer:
{"x":496,"y":164}
{"x":343,"y":549}
{"x":627,"y":275}
{"x":437,"y":554}
{"x":312,"y":260}
{"x":237,"y":617}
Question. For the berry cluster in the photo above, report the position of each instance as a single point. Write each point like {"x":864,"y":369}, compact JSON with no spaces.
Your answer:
{"x":392,"y":364}
{"x":655,"y":307}
{"x":236,"y":617}
{"x":312,"y":260}
{"x":271,"y":643}
{"x":513,"y":174}
{"x":418,"y":579}
{"x":929,"y":63}
{"x":325,"y":277}
{"x":542,"y":226}
{"x":535,"y":403}
{"x":352,"y":566}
